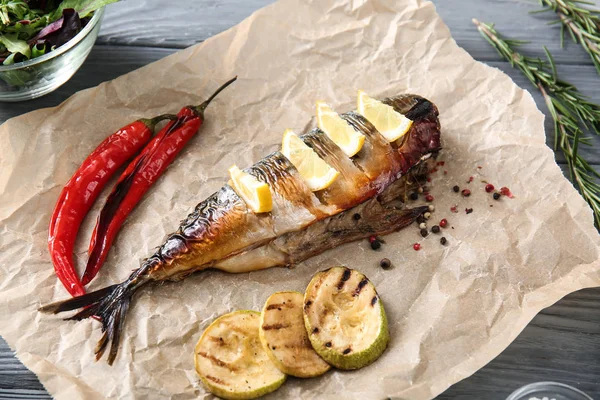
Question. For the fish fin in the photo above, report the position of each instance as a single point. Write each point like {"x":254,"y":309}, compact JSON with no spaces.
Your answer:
{"x":109,"y":305}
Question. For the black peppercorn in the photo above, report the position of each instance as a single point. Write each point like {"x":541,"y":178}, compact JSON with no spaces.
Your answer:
{"x":420,"y":219}
{"x":414,"y":196}
{"x":468,"y":210}
{"x":496,"y":196}
{"x":435,"y":229}
{"x":456,"y":189}
{"x":424,"y":232}
{"x":443,"y":240}
{"x":356,"y":216}
{"x":385,"y":263}
{"x":375,"y":244}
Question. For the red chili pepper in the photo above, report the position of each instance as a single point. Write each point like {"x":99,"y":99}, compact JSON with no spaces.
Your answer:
{"x":83,"y":188}
{"x":135,"y":181}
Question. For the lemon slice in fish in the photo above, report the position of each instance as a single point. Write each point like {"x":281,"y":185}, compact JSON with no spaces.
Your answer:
{"x":338,"y":130}
{"x":317,"y":174}
{"x":284,"y":336}
{"x":345,"y":319}
{"x":255,"y":193}
{"x":231,"y":361}
{"x":391,"y":124}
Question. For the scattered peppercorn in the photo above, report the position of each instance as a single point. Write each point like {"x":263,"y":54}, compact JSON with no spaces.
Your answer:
{"x":443,"y":240}
{"x":429,"y":198}
{"x":356,"y":216}
{"x":496,"y":196}
{"x":431,"y":207}
{"x":420,"y":219}
{"x":372,"y":238}
{"x":435,"y":229}
{"x":470,"y":179}
{"x":456,"y":189}
{"x":422,"y":225}
{"x":417,"y":246}
{"x":427,"y":215}
{"x":428,"y":179}
{"x":385,"y":263}
{"x":466,"y":192}
{"x":420,"y":190}
{"x":468,"y":210}
{"x":376,"y":245}
{"x":454,"y":209}
{"x":489,"y":188}
{"x":443,"y":223}
{"x":414,"y":196}
{"x":424,"y":232}
{"x":504,"y":191}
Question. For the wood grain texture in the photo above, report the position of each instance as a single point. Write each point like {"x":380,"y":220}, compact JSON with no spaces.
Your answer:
{"x":562,"y":343}
{"x":186,"y":24}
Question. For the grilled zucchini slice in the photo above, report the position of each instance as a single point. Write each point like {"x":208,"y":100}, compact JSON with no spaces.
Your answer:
{"x":345,"y":319}
{"x":231,"y":361}
{"x":284,"y":338}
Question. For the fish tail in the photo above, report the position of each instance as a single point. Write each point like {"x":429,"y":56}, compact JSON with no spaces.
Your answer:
{"x":108,"y":305}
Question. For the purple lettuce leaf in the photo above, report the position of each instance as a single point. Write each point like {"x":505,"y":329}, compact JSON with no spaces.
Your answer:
{"x":60,"y":31}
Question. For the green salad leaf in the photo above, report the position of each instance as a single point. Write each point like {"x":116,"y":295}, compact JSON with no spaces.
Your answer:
{"x":83,"y":7}
{"x":30,"y":28}
{"x":15,"y":45}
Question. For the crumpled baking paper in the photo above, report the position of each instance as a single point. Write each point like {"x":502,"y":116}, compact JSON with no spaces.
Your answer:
{"x":451,"y":308}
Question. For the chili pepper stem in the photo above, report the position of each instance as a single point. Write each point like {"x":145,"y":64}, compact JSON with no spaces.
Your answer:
{"x":200,"y":109}
{"x":152,"y":122}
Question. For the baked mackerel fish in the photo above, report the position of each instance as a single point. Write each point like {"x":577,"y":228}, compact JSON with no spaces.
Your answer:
{"x":367,"y":198}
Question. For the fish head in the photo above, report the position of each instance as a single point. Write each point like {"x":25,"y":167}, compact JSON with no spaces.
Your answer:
{"x":423,"y":138}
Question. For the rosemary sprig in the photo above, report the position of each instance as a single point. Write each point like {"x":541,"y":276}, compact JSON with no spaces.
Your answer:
{"x":570,"y":110}
{"x":583,"y":24}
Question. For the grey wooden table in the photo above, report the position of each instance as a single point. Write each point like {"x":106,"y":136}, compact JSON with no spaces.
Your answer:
{"x":561,"y":344}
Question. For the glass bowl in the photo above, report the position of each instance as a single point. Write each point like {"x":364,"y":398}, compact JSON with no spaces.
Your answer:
{"x":39,"y":76}
{"x":548,"y":390}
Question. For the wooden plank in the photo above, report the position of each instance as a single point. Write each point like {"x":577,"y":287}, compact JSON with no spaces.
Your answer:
{"x":13,"y":374}
{"x":184,"y":23}
{"x":513,"y":19}
{"x":173,"y":24}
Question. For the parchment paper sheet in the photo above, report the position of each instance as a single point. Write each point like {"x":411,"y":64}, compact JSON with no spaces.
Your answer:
{"x":451,"y":309}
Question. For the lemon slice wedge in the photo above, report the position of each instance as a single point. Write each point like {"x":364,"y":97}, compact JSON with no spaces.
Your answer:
{"x":317,"y":174}
{"x":338,"y":130}
{"x":391,"y":124}
{"x":255,"y":193}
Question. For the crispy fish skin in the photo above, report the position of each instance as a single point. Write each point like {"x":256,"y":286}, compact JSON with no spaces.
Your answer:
{"x":223,"y":233}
